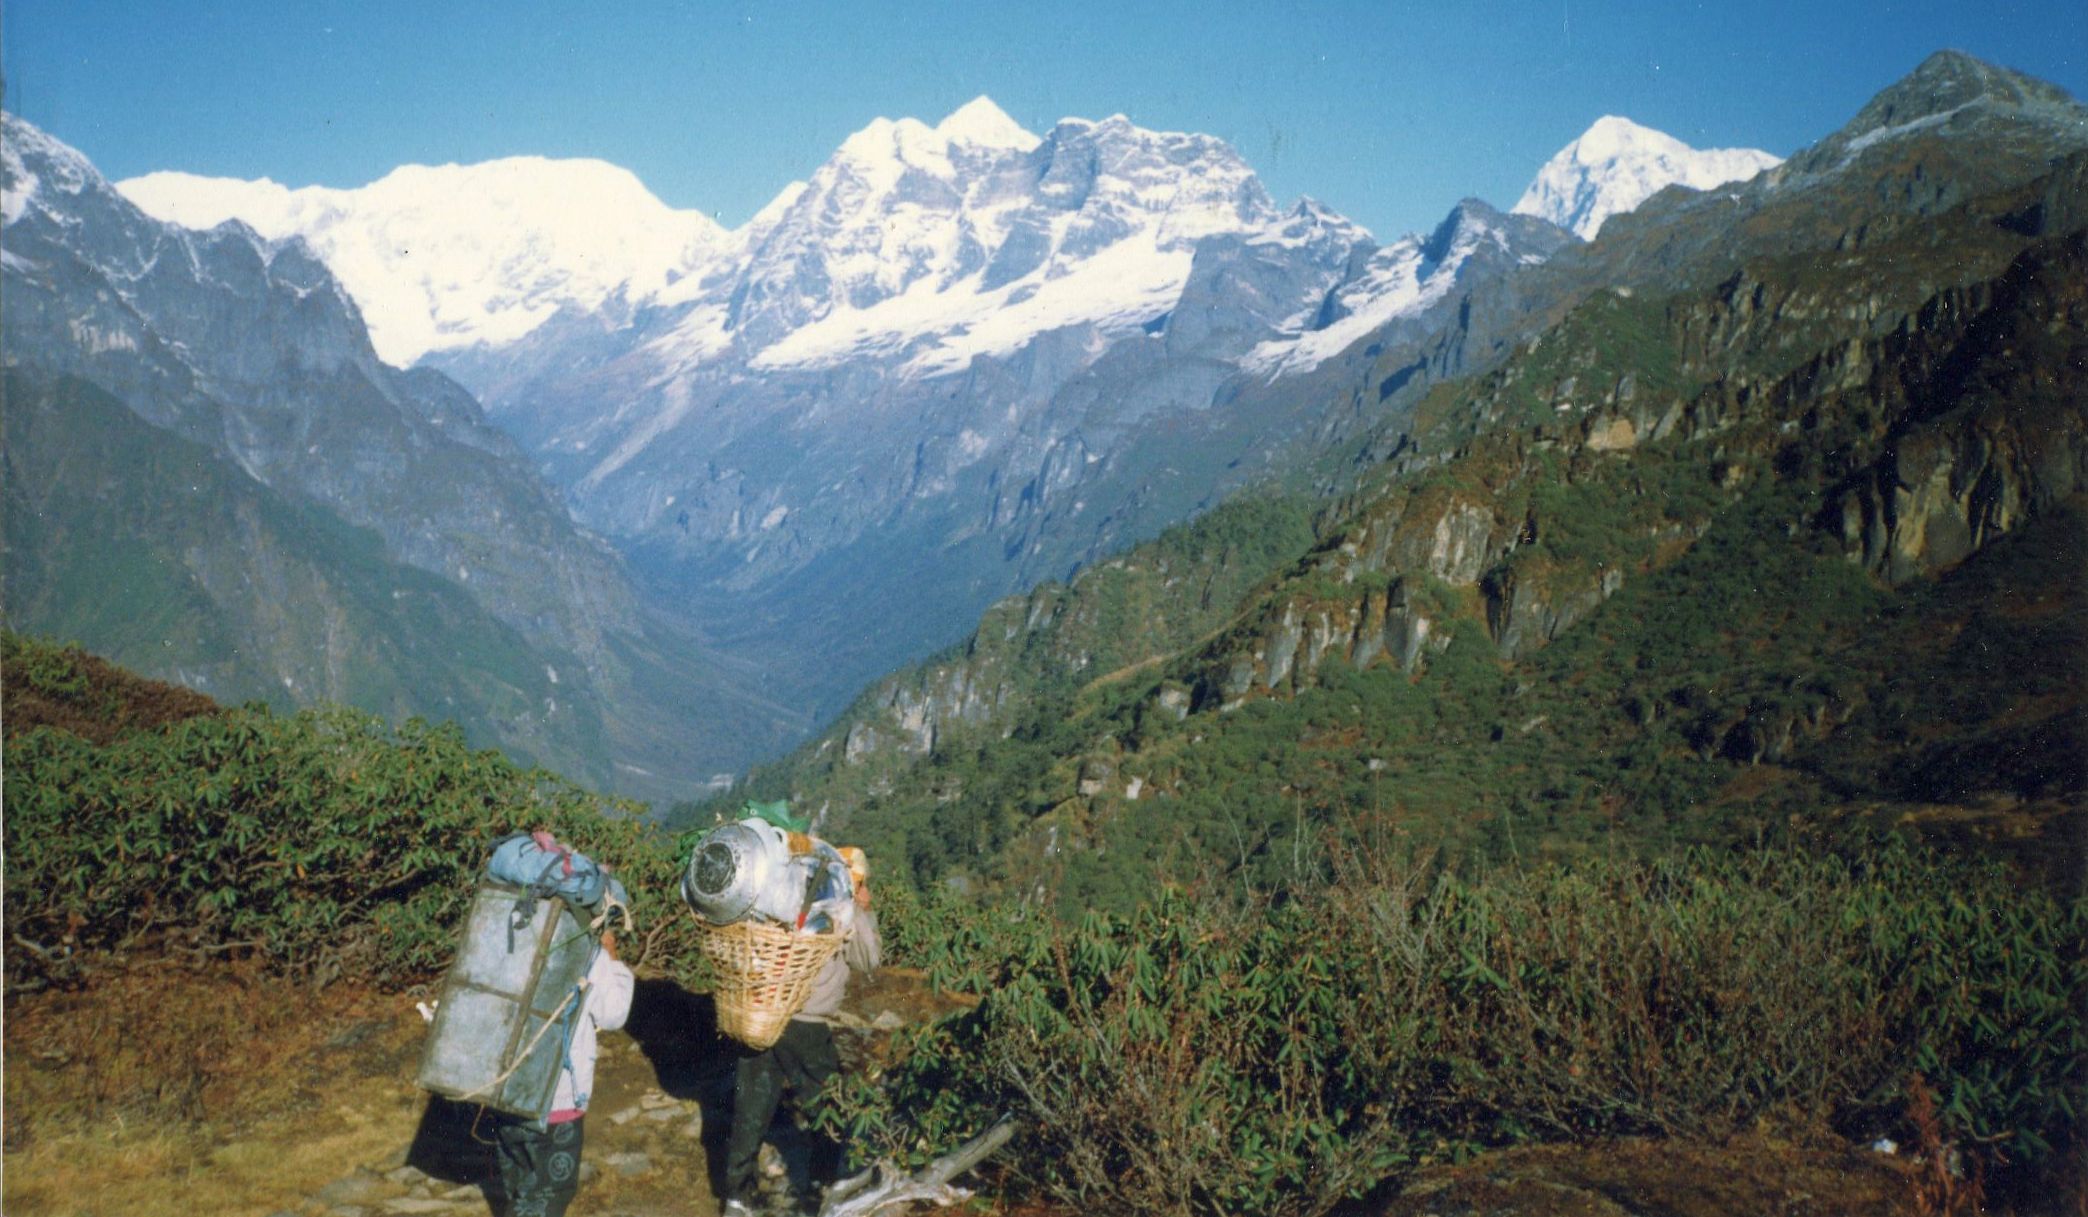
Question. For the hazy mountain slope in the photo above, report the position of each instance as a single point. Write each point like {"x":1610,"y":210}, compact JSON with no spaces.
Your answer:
{"x":173,"y":560}
{"x":957,"y":360}
{"x":252,"y":351}
{"x":863,"y":492}
{"x":885,"y":400}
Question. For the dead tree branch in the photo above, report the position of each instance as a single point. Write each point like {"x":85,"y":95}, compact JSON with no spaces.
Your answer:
{"x":884,"y":1187}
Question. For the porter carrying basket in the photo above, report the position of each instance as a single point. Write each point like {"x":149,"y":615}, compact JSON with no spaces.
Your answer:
{"x":764,"y":974}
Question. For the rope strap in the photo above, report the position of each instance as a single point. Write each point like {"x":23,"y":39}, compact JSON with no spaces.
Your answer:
{"x":556,"y":1017}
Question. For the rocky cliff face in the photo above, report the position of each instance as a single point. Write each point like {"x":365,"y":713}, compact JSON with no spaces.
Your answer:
{"x":1960,"y":425}
{"x":1989,"y":436}
{"x":1923,"y":386}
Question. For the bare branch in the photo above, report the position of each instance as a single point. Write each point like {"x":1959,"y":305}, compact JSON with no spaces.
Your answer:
{"x":55,"y":954}
{"x":883,"y":1187}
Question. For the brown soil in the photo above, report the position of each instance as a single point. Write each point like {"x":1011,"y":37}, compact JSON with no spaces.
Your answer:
{"x":165,"y":1088}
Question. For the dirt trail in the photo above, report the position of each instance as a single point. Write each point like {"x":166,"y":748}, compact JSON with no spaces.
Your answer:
{"x":167,"y":1090}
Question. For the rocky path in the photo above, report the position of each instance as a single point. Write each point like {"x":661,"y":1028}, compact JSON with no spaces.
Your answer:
{"x":637,"y":1164}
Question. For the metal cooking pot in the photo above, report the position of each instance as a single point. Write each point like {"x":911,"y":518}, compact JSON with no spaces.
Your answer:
{"x":732,"y":867}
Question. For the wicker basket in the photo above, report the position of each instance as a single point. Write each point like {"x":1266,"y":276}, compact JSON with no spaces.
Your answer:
{"x":764,"y":973}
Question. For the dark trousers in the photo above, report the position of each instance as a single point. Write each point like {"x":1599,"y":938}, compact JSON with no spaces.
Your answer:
{"x":803,"y":1058}
{"x":539,"y":1170}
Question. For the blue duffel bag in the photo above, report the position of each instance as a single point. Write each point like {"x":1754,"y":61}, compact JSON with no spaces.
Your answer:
{"x":539,"y":864}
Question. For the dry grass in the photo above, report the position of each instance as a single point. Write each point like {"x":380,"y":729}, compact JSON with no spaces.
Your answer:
{"x":130,"y":1168}
{"x":251,"y":1094}
{"x":212,"y":1091}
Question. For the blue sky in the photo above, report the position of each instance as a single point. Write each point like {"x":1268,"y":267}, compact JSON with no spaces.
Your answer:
{"x":1388,"y":112}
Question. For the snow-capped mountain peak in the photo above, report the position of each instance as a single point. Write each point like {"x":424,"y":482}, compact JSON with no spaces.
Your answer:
{"x":919,"y":247}
{"x":450,"y":256}
{"x":63,"y":168}
{"x":1402,"y":279}
{"x":1616,"y":164}
{"x":940,"y":244}
{"x":945,"y":241}
{"x":982,"y":124}
{"x":1613,"y":136}
{"x":888,"y":147}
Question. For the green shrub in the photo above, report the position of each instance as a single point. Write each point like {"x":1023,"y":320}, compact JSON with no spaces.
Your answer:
{"x":51,"y":669}
{"x":327,"y":842}
{"x":1280,"y":1055}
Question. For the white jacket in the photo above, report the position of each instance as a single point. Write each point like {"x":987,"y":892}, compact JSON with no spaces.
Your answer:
{"x":609,"y":985}
{"x":863,"y":952}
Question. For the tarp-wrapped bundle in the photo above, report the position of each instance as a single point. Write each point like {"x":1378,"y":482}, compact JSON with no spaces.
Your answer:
{"x":773,"y":906}
{"x":505,"y":1016}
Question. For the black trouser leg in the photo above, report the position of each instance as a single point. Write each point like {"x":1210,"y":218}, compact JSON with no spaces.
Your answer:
{"x":539,"y":1170}
{"x":804,"y":1058}
{"x":807,"y":1055}
{"x":756,"y":1089}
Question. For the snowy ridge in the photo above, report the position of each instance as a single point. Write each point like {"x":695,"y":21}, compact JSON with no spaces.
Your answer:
{"x":48,"y":182}
{"x":1396,"y":282}
{"x":918,"y":247}
{"x":937,"y":243}
{"x":70,"y":172}
{"x":1402,"y":279}
{"x":1616,"y":165}
{"x":969,"y":238}
{"x":1117,"y":290}
{"x":19,"y":186}
{"x":452,"y":256}
{"x":1877,"y":135}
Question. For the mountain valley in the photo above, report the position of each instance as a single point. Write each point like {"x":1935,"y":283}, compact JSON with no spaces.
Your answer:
{"x":1583,"y":709}
{"x":957,"y":360}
